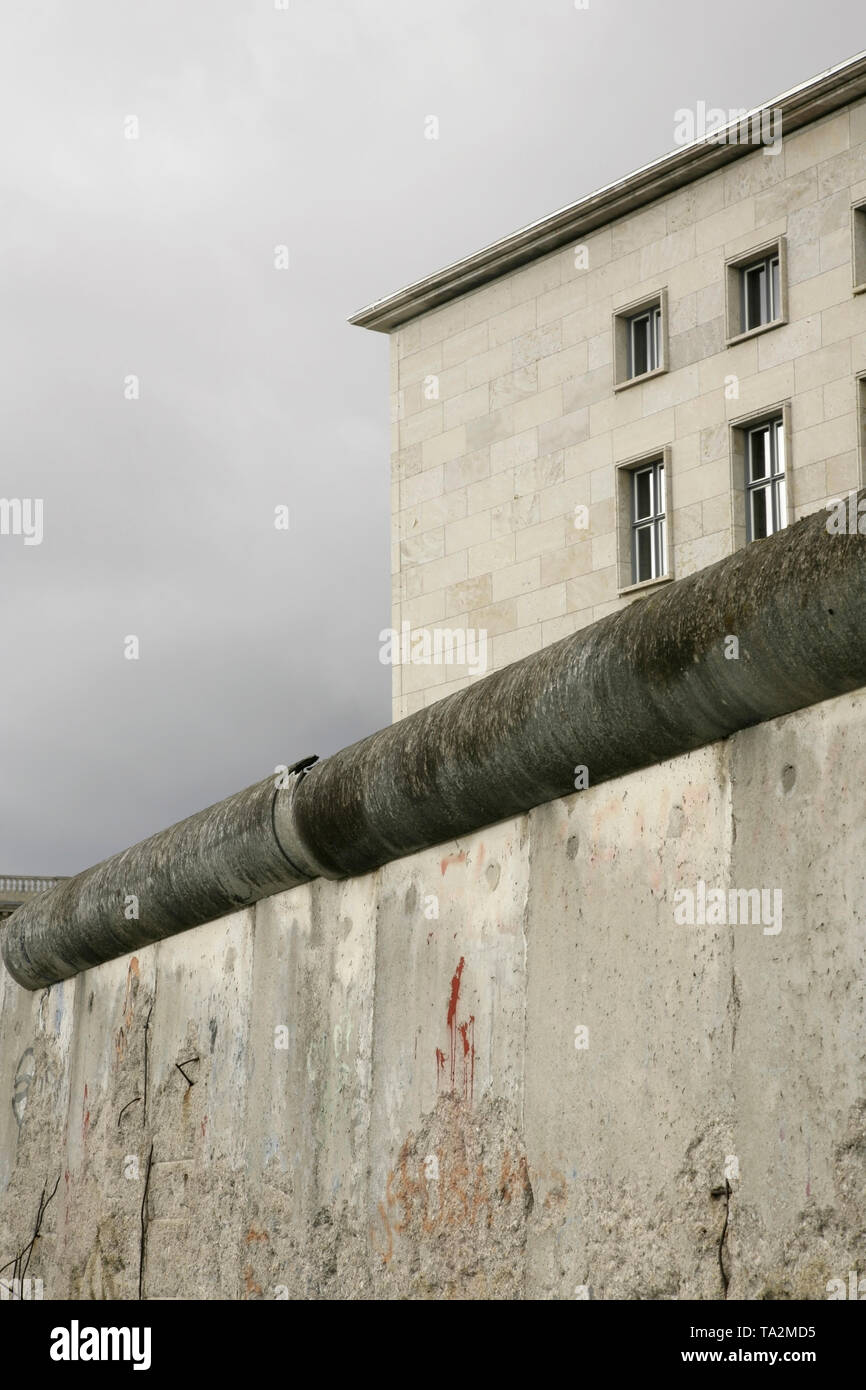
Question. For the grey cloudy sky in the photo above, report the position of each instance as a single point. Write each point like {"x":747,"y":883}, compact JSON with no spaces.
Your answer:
{"x":155,"y":257}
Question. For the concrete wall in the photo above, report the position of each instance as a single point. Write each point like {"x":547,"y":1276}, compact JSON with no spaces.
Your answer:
{"x":341,"y":1094}
{"x":525,"y":424}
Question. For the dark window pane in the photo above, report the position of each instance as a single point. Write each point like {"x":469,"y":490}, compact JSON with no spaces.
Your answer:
{"x":642,"y":494}
{"x":643,"y":554}
{"x":759,"y":442}
{"x":754,"y":288}
{"x":660,"y":557}
{"x":660,"y":488}
{"x":759,"y":514}
{"x":776,"y":306}
{"x":640,"y":332}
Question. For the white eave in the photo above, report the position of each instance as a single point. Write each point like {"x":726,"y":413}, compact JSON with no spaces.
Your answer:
{"x":839,"y":85}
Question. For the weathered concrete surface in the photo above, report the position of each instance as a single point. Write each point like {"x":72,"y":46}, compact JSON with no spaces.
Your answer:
{"x":643,"y":1126}
{"x":339,"y":1093}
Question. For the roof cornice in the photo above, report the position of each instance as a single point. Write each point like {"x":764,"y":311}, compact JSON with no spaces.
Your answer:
{"x":801,"y":105}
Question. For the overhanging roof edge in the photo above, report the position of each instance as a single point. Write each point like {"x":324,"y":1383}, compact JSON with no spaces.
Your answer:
{"x":811,"y":100}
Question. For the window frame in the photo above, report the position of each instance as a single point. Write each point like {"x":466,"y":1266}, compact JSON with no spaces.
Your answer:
{"x":860,"y":407}
{"x":736,"y":270}
{"x":653,"y":523}
{"x":773,"y":484}
{"x":652,"y":317}
{"x":858,"y":246}
{"x":654,"y":307}
{"x":657,"y":521}
{"x":742,"y":487}
{"x":768,"y":268}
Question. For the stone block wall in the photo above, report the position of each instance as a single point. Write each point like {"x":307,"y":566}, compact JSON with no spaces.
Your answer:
{"x":505,"y":418}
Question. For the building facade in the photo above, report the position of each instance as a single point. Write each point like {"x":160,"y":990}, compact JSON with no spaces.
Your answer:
{"x":629,"y":390}
{"x":15,"y":890}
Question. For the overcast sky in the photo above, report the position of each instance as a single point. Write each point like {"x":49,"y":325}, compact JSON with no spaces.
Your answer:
{"x":154,"y":258}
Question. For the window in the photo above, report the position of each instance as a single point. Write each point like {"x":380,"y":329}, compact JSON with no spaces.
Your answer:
{"x":761,"y":479}
{"x":858,"y":250}
{"x":642,"y":507}
{"x":759,"y":287}
{"x":766,"y":494}
{"x":648,"y":523}
{"x":639,"y":340}
{"x":756,"y":290}
{"x":861,"y":428}
{"x":644,"y":339}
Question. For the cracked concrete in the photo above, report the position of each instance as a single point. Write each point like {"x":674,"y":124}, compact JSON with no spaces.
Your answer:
{"x":497,"y":1069}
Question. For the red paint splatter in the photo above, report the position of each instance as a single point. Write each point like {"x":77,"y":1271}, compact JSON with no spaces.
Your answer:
{"x":455,"y":993}
{"x":452,"y":859}
{"x":468,"y":1052}
{"x":467,"y":1034}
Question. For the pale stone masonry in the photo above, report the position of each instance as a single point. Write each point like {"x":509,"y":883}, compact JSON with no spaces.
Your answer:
{"x":506,"y":418}
{"x":16,"y":889}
